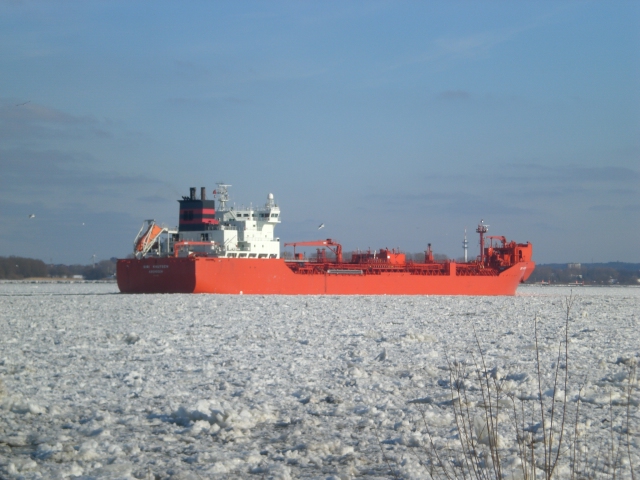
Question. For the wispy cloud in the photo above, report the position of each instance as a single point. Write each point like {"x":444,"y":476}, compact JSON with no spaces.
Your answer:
{"x":516,"y":189}
{"x":450,"y":202}
{"x":32,"y":112}
{"x":630,"y":208}
{"x":191,"y":70}
{"x":64,"y":235}
{"x":472,"y":46}
{"x":40,"y":168}
{"x":58,"y":158}
{"x":24,"y":121}
{"x":537,"y":173}
{"x":57,"y":178}
{"x":208,"y":102}
{"x":454,"y":95}
{"x":466,"y":47}
{"x":154,"y":199}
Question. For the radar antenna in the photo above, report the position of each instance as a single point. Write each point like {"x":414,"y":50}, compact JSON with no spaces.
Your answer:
{"x":223,"y":195}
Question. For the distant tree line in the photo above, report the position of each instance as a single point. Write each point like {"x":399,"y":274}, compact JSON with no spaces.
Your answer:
{"x":614,"y":273}
{"x":16,"y":268}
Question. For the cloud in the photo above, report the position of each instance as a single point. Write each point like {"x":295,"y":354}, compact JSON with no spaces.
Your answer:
{"x":567,"y":174}
{"x":468,"y":47}
{"x":80,"y":209}
{"x":33,"y":121}
{"x":60,"y":180}
{"x":64,"y":235}
{"x":516,"y":189}
{"x":454,"y":202}
{"x":38,"y":113}
{"x":454,"y":95}
{"x":191,"y":70}
{"x":154,"y":199}
{"x":207,"y":102}
{"x":56,"y":164}
{"x":473,"y":45}
{"x":632,"y":208}
{"x":541,"y":183}
{"x":24,"y":168}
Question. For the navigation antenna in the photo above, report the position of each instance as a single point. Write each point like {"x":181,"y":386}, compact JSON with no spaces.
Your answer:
{"x":223,"y":195}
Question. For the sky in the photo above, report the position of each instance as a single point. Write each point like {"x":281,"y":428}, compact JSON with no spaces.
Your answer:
{"x":396,"y":124}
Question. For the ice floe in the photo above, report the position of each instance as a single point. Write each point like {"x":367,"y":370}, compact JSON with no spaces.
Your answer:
{"x":95,"y":384}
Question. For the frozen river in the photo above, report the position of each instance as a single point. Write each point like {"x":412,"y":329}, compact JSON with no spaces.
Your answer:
{"x":96,"y":384}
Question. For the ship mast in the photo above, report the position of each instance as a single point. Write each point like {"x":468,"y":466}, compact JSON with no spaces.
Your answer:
{"x":223,"y":195}
{"x":482,"y":229}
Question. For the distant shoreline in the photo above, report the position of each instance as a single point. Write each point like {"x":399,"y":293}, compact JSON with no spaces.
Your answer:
{"x":55,"y":280}
{"x":41,"y":280}
{"x":616,"y":285}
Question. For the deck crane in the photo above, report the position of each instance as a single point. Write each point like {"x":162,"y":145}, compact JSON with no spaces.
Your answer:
{"x":335,"y":247}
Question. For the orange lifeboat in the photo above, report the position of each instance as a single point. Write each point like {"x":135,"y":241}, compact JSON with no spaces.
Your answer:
{"x":148,"y":238}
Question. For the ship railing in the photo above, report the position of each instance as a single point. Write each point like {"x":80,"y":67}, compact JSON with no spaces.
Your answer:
{"x":185,"y":244}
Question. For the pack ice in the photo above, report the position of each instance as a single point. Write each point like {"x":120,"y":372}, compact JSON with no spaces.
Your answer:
{"x":96,"y":384}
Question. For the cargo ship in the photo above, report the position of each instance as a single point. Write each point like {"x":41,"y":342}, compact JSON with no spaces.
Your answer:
{"x":219,"y":248}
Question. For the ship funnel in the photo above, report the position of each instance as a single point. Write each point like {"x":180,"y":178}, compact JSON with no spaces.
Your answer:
{"x":192,"y":193}
{"x":203,"y":193}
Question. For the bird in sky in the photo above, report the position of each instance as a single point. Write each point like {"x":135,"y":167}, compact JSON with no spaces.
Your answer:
{"x":21,"y":104}
{"x":32,"y":215}
{"x":321,"y":226}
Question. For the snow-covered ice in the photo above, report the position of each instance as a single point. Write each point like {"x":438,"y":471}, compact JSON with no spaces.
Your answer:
{"x":96,"y":384}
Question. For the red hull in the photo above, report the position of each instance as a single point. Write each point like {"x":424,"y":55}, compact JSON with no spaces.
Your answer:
{"x":273,"y":276}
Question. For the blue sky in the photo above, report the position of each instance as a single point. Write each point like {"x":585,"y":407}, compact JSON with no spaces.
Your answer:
{"x":396,"y":124}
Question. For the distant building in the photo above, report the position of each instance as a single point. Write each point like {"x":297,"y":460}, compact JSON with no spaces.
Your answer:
{"x":574,"y":266}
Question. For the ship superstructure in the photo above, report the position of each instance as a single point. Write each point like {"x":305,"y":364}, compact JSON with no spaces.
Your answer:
{"x":234,"y":250}
{"x":228,"y":232}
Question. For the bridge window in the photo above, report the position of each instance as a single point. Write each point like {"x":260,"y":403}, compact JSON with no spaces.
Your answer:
{"x":242,"y":255}
{"x":262,"y":255}
{"x":253,"y":255}
{"x":231,"y":255}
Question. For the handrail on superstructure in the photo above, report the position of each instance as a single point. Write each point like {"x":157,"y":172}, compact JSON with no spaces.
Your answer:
{"x":185,"y":243}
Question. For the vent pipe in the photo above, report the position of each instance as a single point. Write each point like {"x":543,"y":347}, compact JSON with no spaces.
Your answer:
{"x":203,"y":194}
{"x":192,"y":193}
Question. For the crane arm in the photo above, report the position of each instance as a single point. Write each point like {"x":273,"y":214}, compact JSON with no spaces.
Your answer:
{"x":496,"y":237}
{"x":312,"y":243}
{"x":329,"y":243}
